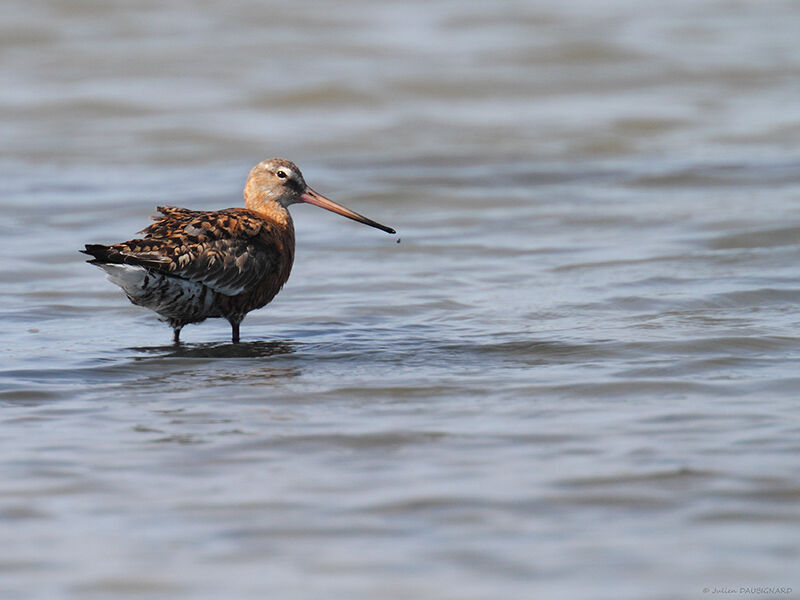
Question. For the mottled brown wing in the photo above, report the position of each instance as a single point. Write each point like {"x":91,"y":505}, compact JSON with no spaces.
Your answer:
{"x":172,"y":218}
{"x":230,"y":251}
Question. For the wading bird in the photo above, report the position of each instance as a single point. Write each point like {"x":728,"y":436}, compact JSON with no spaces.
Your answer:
{"x":193,"y":265}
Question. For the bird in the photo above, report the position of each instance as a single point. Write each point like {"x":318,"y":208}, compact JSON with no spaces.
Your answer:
{"x":192,"y":265}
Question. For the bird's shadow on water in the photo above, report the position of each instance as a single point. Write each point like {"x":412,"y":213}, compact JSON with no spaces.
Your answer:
{"x":254,"y":349}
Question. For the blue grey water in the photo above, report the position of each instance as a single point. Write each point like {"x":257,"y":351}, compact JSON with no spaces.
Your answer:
{"x":573,"y":374}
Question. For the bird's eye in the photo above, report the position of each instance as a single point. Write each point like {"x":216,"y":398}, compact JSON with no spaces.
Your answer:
{"x":281,"y":174}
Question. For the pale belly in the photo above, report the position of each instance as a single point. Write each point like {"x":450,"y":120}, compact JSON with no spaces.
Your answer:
{"x":176,"y":300}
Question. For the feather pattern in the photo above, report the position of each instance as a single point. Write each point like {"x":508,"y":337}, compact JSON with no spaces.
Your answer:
{"x":178,"y":301}
{"x":203,"y":264}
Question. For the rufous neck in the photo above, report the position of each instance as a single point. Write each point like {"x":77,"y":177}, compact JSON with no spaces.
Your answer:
{"x":259,"y":202}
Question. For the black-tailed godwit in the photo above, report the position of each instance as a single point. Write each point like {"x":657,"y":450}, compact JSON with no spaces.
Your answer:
{"x":193,"y":265}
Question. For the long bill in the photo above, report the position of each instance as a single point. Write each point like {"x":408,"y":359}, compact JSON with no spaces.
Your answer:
{"x":316,"y":199}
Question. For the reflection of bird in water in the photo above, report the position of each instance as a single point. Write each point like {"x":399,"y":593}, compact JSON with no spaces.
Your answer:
{"x":254,"y":349}
{"x":193,"y":265}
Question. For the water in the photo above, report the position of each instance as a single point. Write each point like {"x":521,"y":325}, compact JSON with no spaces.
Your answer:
{"x":576,"y":375}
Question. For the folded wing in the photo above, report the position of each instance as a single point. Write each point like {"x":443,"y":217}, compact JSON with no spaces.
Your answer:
{"x":229,"y":251}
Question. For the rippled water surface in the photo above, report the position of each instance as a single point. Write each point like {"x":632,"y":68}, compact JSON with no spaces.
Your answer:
{"x":573,"y":373}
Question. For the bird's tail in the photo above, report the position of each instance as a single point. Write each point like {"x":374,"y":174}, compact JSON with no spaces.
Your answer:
{"x":117,"y":255}
{"x":101,"y":253}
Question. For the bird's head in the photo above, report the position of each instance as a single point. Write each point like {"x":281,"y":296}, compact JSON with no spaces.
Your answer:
{"x":279,"y":181}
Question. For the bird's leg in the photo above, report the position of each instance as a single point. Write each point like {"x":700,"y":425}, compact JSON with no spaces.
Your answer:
{"x":235,"y":332}
{"x":176,"y":335}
